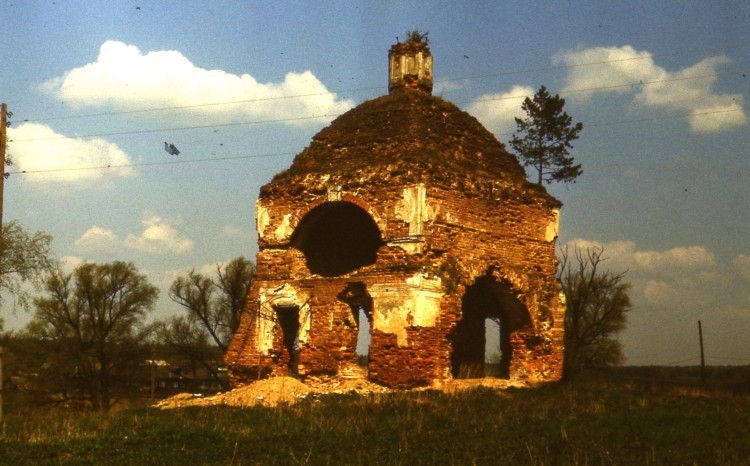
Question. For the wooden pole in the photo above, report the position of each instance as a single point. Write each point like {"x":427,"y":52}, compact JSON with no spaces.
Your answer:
{"x":3,"y":127}
{"x":1,"y":390}
{"x":703,"y":360}
{"x":3,"y":140}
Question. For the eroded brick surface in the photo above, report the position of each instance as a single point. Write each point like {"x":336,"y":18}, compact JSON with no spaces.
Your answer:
{"x":409,"y":209}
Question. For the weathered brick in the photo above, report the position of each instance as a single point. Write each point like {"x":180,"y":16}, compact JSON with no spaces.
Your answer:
{"x":409,"y":208}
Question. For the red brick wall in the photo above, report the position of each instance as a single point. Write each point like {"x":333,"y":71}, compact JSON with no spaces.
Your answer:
{"x":479,"y":233}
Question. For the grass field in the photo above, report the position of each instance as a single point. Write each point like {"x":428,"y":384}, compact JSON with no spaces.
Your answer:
{"x":603,"y":420}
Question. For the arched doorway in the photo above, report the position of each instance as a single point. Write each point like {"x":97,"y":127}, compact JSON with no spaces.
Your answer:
{"x":288,"y":319}
{"x":337,"y":238}
{"x":360,"y":302}
{"x":486,"y":299}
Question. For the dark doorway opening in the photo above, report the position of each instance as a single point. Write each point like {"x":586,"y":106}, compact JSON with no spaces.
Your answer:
{"x":360,"y":302}
{"x":337,"y":238}
{"x":492,"y":351}
{"x":288,"y":318}
{"x":486,"y":299}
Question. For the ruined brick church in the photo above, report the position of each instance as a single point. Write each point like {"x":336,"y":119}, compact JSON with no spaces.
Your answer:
{"x":407,"y":217}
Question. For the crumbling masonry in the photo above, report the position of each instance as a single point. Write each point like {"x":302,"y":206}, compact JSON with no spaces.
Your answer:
{"x":408,"y":213}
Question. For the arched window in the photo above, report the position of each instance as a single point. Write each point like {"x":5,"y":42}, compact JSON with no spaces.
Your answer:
{"x":337,"y":238}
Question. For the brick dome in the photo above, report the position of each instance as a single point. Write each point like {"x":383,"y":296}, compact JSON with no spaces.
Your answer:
{"x":412,"y":134}
{"x":407,"y":215}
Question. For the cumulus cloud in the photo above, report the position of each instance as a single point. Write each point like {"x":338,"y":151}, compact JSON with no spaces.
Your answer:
{"x":97,"y":238}
{"x":125,"y":78}
{"x":617,"y":254}
{"x":69,"y":263}
{"x":497,"y":111}
{"x":158,"y":237}
{"x":658,"y":291}
{"x":679,"y":274}
{"x":45,"y":155}
{"x":625,"y":253}
{"x":693,"y":257}
{"x":671,"y":289}
{"x":626,"y":70}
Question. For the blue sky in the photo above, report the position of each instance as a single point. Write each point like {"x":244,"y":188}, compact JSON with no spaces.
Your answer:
{"x":662,"y":88}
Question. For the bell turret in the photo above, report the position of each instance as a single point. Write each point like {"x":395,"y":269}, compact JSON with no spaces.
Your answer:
{"x":410,"y":66}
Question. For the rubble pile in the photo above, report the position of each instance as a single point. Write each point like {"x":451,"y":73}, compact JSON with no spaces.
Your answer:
{"x":273,"y":391}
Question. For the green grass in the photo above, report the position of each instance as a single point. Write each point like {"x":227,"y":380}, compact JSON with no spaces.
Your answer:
{"x":591,"y":423}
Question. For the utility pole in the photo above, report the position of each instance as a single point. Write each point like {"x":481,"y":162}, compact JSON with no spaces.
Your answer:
{"x":2,"y":430}
{"x":703,"y":361}
{"x":3,"y":139}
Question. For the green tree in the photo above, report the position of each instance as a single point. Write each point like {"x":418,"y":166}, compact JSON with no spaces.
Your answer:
{"x":24,"y":258}
{"x":597,"y":302}
{"x":215,"y":304}
{"x":98,"y":311}
{"x":543,"y":138}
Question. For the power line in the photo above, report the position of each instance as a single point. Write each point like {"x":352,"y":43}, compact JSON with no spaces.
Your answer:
{"x":489,"y":99}
{"x":179,"y":128}
{"x":150,"y":164}
{"x":211,"y":104}
{"x":277,"y":154}
{"x":282,"y":120}
{"x":370,"y":88}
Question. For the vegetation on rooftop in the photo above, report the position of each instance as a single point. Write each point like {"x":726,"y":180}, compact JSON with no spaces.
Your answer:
{"x":416,"y":36}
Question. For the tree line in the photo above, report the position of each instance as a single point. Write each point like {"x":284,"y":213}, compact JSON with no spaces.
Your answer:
{"x":89,"y":337}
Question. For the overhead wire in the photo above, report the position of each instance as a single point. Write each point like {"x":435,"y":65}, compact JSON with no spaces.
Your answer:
{"x":314,"y":117}
{"x":325,"y":116}
{"x":180,"y":128}
{"x":239,"y":157}
{"x":370,"y":88}
{"x":150,"y":164}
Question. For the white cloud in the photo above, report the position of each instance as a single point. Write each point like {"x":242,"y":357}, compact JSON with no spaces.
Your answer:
{"x":497,"y":111}
{"x":126,"y":79}
{"x":693,"y":257}
{"x":158,"y":237}
{"x":658,"y":291}
{"x":618,"y":255}
{"x":690,"y":90}
{"x":164,"y":278}
{"x":97,"y":239}
{"x":675,"y":260}
{"x":441,"y":87}
{"x":672,"y":289}
{"x":49,"y":156}
{"x":69,"y":263}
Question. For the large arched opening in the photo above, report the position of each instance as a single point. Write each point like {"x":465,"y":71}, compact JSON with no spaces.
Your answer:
{"x":337,"y":238}
{"x":486,"y":300}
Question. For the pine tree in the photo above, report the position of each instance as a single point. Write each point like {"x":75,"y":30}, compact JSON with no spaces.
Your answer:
{"x":543,"y":138}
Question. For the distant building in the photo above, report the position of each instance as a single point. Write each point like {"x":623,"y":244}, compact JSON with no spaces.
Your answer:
{"x":408,"y":212}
